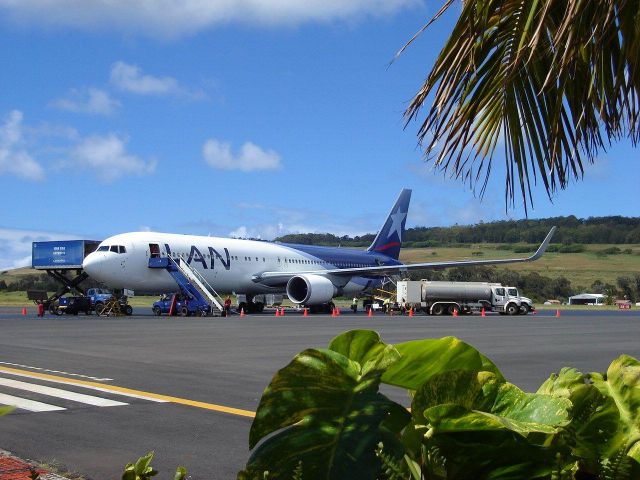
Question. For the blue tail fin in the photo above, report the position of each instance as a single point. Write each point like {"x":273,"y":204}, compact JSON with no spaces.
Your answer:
{"x":389,"y":238}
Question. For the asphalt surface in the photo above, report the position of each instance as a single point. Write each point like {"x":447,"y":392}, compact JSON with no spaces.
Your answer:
{"x":228,"y":362}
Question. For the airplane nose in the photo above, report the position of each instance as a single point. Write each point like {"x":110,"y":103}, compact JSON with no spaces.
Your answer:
{"x":93,"y":264}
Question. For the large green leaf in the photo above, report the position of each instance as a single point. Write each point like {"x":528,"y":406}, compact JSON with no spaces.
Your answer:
{"x":604,"y":432}
{"x":462,"y":401}
{"x":422,"y":359}
{"x":323,"y":411}
{"x":486,"y":427}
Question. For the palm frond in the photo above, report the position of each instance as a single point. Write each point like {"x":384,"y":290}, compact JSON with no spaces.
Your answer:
{"x":553,"y":81}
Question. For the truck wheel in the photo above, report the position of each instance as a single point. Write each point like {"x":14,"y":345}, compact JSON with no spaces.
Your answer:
{"x":128,"y":310}
{"x":185,"y":312}
{"x":438,"y":309}
{"x":156,"y":311}
{"x":98,"y":307}
{"x":512,"y":309}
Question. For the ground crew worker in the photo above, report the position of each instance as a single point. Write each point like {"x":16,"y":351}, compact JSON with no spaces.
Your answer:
{"x":227,"y":306}
{"x":354,"y":304}
{"x":40,"y":309}
{"x":387,"y":305}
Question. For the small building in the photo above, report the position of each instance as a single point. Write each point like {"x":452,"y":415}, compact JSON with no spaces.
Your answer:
{"x":587,"y":299}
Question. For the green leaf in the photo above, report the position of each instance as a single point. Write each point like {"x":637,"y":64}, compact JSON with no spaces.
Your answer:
{"x":324,"y":411}
{"x":486,"y":427}
{"x":181,"y":473}
{"x":479,"y":401}
{"x":422,"y":359}
{"x":6,"y":409}
{"x":366,"y":348}
{"x":605,"y":428}
{"x":622,"y":386}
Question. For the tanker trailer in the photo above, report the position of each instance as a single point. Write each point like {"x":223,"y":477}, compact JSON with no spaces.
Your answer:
{"x":443,"y":298}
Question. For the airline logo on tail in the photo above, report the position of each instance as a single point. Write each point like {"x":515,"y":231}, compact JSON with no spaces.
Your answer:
{"x":389,"y":238}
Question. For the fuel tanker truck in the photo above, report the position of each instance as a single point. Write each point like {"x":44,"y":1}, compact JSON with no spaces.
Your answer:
{"x":443,"y":298}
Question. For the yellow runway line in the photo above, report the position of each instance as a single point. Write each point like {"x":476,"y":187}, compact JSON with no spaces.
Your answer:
{"x":123,"y":390}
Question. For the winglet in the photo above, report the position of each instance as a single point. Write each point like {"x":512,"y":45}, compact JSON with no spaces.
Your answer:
{"x":543,"y":246}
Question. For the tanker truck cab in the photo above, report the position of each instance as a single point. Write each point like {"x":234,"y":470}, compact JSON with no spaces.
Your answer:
{"x":526,"y":304}
{"x":504,"y":302}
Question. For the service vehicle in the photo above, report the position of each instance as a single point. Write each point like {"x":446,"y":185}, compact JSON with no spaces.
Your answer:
{"x":182,"y":306}
{"x":526,"y":304}
{"x":72,"y":306}
{"x":445,"y":298}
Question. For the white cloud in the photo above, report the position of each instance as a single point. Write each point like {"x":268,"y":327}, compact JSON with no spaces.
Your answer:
{"x":91,"y":100}
{"x":107,"y":156}
{"x":251,"y":157}
{"x":15,"y":245}
{"x":131,"y":79}
{"x":168,"y":18}
{"x":14,"y":158}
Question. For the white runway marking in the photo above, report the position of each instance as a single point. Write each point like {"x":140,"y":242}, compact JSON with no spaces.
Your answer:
{"x":90,"y":387}
{"x":25,"y":404}
{"x":97,"y":379}
{"x":59,"y":393}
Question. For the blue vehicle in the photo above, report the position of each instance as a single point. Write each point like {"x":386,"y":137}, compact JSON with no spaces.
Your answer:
{"x":100,"y":296}
{"x":183,"y":306}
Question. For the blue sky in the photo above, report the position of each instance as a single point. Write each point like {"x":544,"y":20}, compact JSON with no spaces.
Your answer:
{"x":255,"y":118}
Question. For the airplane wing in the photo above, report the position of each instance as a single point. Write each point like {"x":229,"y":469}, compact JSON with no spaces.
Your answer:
{"x":273,"y":278}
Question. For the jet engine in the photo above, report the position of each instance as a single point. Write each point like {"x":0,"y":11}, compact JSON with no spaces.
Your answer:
{"x":310,"y":289}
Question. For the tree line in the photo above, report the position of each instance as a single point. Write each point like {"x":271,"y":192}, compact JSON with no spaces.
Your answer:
{"x":571,"y":230}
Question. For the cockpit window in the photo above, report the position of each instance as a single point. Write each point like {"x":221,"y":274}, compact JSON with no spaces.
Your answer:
{"x":114,"y":248}
{"x":103,"y":248}
{"x":122,"y":249}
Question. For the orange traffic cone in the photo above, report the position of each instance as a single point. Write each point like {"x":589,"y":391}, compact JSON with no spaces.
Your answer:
{"x":411,"y":312}
{"x":242,"y":314}
{"x":277,"y":312}
{"x":557,"y":312}
{"x":24,"y":310}
{"x":282,"y":312}
{"x":306,"y":312}
{"x":370,"y":314}
{"x":455,"y":312}
{"x":337,"y":311}
{"x":482,"y":313}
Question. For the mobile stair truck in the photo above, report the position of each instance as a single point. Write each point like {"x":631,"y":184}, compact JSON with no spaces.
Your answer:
{"x":443,"y":298}
{"x":199,"y":297}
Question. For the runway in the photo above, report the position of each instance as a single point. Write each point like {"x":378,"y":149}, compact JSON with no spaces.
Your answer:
{"x":179,"y":385}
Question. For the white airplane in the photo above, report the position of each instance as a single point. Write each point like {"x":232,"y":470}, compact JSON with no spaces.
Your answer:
{"x":308,"y":275}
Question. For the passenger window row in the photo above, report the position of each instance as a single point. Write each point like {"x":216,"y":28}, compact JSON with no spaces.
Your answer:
{"x":112,"y":248}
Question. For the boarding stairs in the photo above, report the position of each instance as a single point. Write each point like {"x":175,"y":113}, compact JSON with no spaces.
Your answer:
{"x":191,"y":283}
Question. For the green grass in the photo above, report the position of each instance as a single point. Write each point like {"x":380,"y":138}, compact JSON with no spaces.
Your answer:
{"x":15,"y":299}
